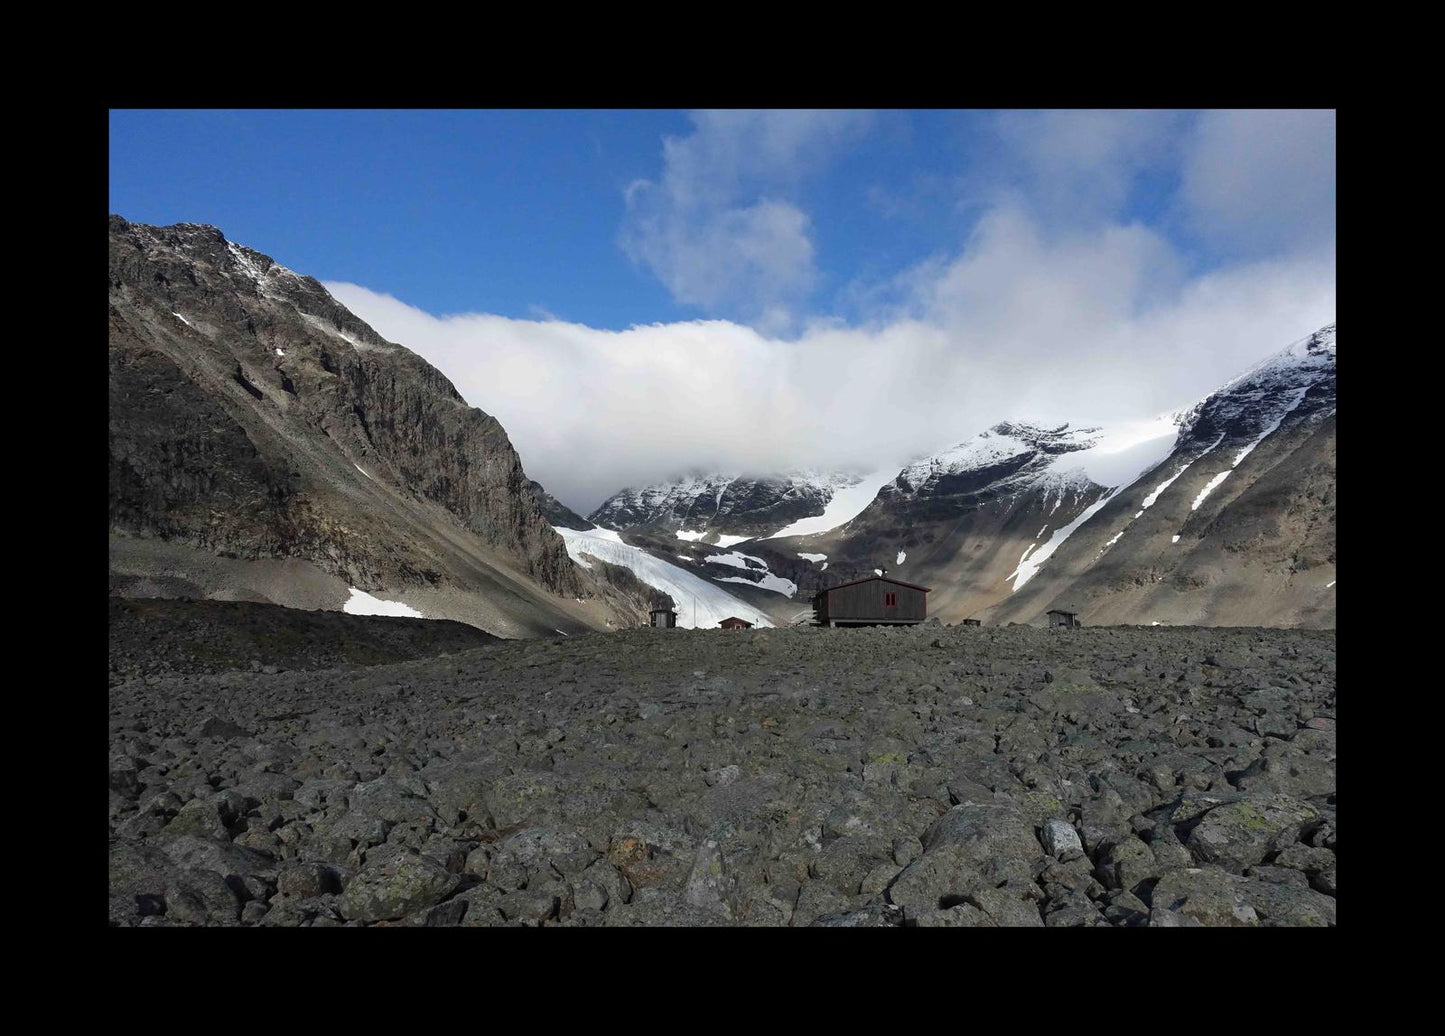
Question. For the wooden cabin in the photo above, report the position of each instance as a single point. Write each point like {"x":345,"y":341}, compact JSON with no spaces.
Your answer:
{"x":734,"y":623}
{"x":663,"y":618}
{"x":875,"y":601}
{"x":1059,"y":617}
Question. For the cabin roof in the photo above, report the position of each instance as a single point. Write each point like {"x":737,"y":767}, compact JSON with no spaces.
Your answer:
{"x":869,"y":579}
{"x":734,"y":618}
{"x":664,"y":610}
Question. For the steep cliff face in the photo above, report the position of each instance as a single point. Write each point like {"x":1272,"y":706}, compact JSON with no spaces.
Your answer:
{"x":254,"y":417}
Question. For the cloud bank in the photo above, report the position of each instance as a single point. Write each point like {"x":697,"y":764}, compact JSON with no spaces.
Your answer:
{"x":1058,"y":306}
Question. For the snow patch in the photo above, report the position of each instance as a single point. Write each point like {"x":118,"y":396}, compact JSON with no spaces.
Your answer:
{"x":877,"y":571}
{"x":845,"y":505}
{"x":1029,"y":566}
{"x":683,"y":534}
{"x":1329,"y":584}
{"x":728,"y":541}
{"x":1210,"y":487}
{"x":766,"y":579}
{"x":362,"y":603}
{"x":777,"y":584}
{"x":901,"y":555}
{"x":1298,"y":397}
{"x":694,"y":596}
{"x":1173,"y":539}
{"x":182,"y":319}
{"x":359,"y":468}
{"x":814,"y":558}
{"x":280,"y":352}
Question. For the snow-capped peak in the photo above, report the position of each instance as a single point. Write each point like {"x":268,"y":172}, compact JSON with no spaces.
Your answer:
{"x":1261,"y":396}
{"x":703,"y":505}
{"x":1024,"y":456}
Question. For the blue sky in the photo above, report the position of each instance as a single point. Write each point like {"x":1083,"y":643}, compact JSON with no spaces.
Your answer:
{"x":570,"y":269}
{"x":519,"y":213}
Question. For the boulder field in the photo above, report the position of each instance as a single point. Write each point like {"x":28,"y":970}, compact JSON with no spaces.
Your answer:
{"x":907,"y":777}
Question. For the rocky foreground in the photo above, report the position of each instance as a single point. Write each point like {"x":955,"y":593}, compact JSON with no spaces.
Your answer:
{"x":933,"y":776}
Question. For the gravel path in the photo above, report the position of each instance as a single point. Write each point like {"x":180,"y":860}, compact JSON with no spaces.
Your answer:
{"x":934,"y":776}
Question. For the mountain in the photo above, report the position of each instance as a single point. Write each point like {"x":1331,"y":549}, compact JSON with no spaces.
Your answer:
{"x":1222,"y":514}
{"x":556,"y":512}
{"x":725,"y":508}
{"x":692,"y":526}
{"x":1235,"y":527}
{"x":266,"y":444}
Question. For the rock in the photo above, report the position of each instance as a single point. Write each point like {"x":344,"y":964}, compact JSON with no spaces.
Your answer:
{"x":876,"y":915}
{"x":202,"y":898}
{"x":1007,"y":908}
{"x":1207,"y":895}
{"x":387,"y":800}
{"x":123,"y":775}
{"x":390,"y":890}
{"x":708,"y":884}
{"x":906,"y":850}
{"x":1289,"y":904}
{"x":985,"y":831}
{"x":878,"y":878}
{"x":443,"y":915}
{"x":1061,"y":841}
{"x":590,"y":896}
{"x":304,"y":880}
{"x":1306,"y":858}
{"x":1073,"y":910}
{"x":1240,"y":834}
{"x":200,"y":816}
{"x":1126,"y":910}
{"x":530,"y":907}
{"x":540,"y":847}
{"x":723,"y":777}
{"x":219,"y":727}
{"x":1126,"y":864}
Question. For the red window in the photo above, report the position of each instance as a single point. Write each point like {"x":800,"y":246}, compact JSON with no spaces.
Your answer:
{"x":890,"y":600}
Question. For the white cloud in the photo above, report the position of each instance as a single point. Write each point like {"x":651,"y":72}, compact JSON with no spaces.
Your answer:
{"x":1078,"y":166}
{"x":1055,"y":308}
{"x":1017,"y":326}
{"x":1260,"y":181}
{"x":718,"y":228}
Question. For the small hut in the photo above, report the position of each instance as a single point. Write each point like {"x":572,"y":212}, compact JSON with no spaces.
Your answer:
{"x":1059,"y":617}
{"x":734,"y":623}
{"x":874,"y":601}
{"x":663,"y":618}
{"x":972,"y":622}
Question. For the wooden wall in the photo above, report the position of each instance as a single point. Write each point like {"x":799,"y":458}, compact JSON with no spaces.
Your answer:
{"x":864,"y":601}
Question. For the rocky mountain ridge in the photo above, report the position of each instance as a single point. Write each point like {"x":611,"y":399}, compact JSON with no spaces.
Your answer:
{"x":255,"y":421}
{"x":725,"y":506}
{"x":1024,"y":517}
